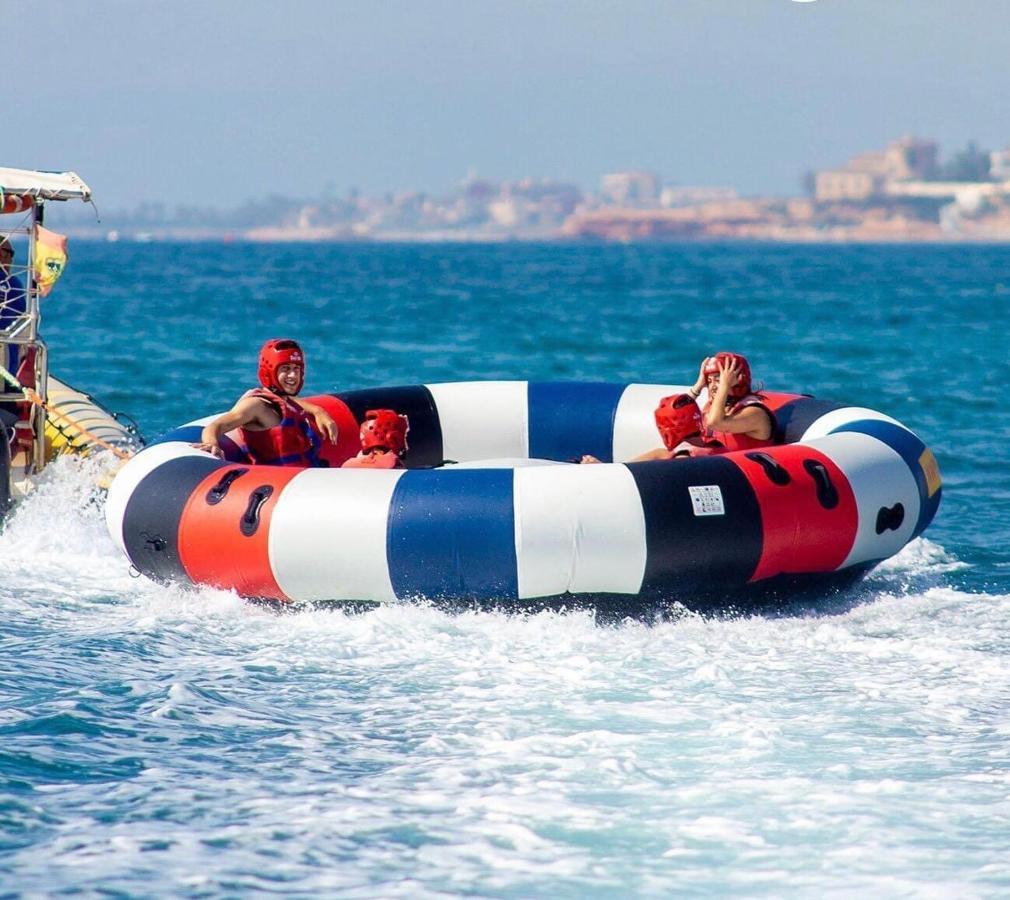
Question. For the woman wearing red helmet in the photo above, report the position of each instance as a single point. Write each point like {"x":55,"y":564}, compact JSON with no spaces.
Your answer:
{"x":277,"y":428}
{"x":735,"y":415}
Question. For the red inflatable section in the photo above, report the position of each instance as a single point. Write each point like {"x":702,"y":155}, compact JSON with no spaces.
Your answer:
{"x":808,"y":510}
{"x":224,"y":529}
{"x":348,"y":440}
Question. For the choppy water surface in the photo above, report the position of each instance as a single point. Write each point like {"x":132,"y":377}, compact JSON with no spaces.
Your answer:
{"x":160,"y":741}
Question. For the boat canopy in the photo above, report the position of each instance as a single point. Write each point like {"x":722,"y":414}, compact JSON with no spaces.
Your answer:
{"x":44,"y":185}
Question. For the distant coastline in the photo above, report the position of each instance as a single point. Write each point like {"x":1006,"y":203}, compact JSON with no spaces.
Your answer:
{"x":903,"y":193}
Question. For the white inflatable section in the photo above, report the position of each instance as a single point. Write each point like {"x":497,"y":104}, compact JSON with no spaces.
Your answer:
{"x":579,"y":529}
{"x":635,"y":422}
{"x":483,"y":419}
{"x":128,"y":477}
{"x":839,"y":417}
{"x":511,"y":462}
{"x":879,"y":477}
{"x":328,"y":535}
{"x":234,"y":434}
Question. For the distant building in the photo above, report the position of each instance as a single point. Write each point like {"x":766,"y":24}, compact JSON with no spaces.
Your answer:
{"x":967,"y":193}
{"x":868,"y":174}
{"x":676,"y":195}
{"x":845,"y":184}
{"x":873,"y":162}
{"x":633,"y":188}
{"x":910,"y":158}
{"x":999,"y":165}
{"x":508,"y":212}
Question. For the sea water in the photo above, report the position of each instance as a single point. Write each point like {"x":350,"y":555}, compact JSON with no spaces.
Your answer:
{"x":161,"y":741}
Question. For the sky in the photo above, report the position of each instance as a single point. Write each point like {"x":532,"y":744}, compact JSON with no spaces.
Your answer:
{"x":215,"y":102}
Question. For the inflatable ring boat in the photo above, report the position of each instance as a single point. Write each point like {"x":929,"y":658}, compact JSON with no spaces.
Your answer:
{"x":509,"y":520}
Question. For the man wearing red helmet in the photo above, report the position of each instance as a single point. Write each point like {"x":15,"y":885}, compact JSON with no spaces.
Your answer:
{"x":383,"y":441}
{"x":278,"y":429}
{"x":735,"y":415}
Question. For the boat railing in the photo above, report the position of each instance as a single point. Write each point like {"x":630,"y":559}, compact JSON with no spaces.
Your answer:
{"x":24,"y":358}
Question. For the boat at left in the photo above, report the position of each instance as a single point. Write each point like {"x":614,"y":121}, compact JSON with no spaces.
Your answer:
{"x":42,"y":416}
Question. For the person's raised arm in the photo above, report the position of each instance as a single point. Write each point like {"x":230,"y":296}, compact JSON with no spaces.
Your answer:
{"x":247,"y":411}
{"x":696,"y":389}
{"x":752,"y":421}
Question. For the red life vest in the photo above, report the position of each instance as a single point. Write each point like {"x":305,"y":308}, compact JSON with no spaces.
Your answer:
{"x":377,"y":459}
{"x":743,"y":441}
{"x":292,"y":442}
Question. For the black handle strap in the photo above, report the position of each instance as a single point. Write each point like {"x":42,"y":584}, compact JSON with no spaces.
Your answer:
{"x":775,"y":471}
{"x":827,"y":493}
{"x":217,"y":493}
{"x":889,"y":518}
{"x":250,"y":520}
{"x":154,"y":542}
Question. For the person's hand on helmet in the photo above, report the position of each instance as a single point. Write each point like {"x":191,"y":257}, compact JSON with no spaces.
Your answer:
{"x":729,"y":373}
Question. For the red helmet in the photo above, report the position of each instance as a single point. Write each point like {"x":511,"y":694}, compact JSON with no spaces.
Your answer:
{"x":276,"y":353}
{"x":743,"y":385}
{"x":384,"y":429}
{"x":677,"y":418}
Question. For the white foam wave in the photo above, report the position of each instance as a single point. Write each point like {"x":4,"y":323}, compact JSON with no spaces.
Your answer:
{"x":508,"y":754}
{"x":919,"y":557}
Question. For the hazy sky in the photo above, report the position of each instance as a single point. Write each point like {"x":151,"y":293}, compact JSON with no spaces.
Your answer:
{"x":216,"y":101}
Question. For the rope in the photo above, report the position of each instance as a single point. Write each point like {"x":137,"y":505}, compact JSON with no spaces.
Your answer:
{"x":51,"y":414}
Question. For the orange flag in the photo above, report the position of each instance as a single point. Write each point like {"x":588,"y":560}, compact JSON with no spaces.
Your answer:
{"x":50,"y":258}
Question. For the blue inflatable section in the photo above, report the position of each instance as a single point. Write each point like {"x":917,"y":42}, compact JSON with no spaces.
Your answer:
{"x":567,"y":419}
{"x":451,"y":533}
{"x":188,"y":433}
{"x":910,"y":449}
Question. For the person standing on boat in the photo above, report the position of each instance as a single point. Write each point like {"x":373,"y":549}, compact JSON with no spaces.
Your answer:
{"x":278,"y":429}
{"x":13,"y":305}
{"x":735,"y":414}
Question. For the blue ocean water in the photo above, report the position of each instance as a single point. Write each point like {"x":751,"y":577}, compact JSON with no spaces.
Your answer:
{"x":159,"y":741}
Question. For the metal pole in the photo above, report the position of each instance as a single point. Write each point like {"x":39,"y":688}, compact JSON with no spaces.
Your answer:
{"x":38,"y":418}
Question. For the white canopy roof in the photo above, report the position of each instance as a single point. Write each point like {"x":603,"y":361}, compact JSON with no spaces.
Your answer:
{"x":44,"y":185}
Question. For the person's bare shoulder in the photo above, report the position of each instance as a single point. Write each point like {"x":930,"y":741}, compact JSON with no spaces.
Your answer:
{"x":253,"y":411}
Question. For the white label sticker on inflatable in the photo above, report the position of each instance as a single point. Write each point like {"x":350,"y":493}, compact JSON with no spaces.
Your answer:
{"x":707,"y":500}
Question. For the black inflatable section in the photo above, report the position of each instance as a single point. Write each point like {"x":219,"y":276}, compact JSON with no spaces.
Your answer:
{"x":7,"y":420}
{"x":151,"y":520}
{"x":424,"y":441}
{"x":795,"y":417}
{"x":688,"y":552}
